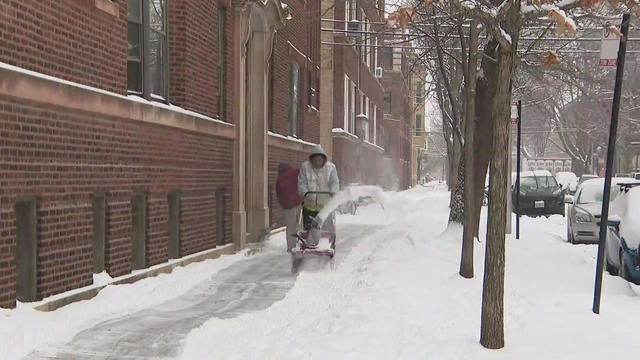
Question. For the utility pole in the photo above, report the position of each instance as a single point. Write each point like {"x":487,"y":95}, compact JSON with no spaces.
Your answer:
{"x":613,"y":129}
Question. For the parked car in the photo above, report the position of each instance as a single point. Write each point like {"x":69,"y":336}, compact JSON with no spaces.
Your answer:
{"x":584,"y":210}
{"x":540,"y":194}
{"x":623,"y":238}
{"x":635,"y":175}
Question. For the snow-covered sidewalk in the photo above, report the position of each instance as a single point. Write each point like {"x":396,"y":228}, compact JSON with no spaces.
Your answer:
{"x":24,"y":329}
{"x":398,"y":296}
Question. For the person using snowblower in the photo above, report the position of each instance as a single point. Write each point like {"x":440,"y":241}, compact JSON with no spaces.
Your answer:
{"x":317,"y":174}
{"x":290,"y":200}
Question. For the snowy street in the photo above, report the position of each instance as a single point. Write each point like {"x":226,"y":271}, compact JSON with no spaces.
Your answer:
{"x":393,"y":293}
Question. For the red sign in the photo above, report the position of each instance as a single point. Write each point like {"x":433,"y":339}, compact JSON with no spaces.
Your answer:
{"x":608,"y":62}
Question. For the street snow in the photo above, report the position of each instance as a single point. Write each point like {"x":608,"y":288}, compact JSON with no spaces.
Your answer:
{"x":394,"y":294}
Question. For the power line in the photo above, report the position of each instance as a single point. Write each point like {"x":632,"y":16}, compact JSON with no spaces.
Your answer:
{"x":416,"y":24}
{"x":458,"y":36}
{"x":535,"y":51}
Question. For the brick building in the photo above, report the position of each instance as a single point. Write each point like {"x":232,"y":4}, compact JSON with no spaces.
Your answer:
{"x":351,"y":117}
{"x":397,"y":121}
{"x":136,"y":131}
{"x":417,"y":98}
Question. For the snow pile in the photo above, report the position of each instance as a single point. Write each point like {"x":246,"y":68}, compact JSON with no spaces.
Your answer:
{"x":397,"y":295}
{"x":25,"y":329}
{"x":102,"y":279}
{"x":567,"y":179}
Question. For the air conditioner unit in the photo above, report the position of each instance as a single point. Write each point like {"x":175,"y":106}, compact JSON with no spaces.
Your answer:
{"x":353,"y":30}
{"x":379,"y":72}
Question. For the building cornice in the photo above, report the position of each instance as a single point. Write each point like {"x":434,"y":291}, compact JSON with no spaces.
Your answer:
{"x":24,"y":85}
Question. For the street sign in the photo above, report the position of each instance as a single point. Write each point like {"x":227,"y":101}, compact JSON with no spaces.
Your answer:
{"x":610,"y":43}
{"x":514,"y":112}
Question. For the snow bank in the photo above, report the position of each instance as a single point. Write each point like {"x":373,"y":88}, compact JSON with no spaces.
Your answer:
{"x":25,"y":329}
{"x":397,"y":295}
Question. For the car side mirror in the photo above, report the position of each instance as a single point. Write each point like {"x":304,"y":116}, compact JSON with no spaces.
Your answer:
{"x":568,"y":199}
{"x":614,"y":221}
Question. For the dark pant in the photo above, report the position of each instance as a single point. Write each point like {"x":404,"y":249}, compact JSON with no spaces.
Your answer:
{"x":307,"y":218}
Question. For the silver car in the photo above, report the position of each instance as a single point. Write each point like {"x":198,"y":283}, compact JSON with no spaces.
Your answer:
{"x":583,"y":220}
{"x":623,"y":239}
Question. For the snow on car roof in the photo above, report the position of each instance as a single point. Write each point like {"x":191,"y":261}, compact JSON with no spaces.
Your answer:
{"x":629,"y":227}
{"x":614,"y":181}
{"x":567,"y":178}
{"x":566,"y":173}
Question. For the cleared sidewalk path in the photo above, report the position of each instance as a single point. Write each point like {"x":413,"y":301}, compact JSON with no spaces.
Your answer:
{"x":247,"y":286}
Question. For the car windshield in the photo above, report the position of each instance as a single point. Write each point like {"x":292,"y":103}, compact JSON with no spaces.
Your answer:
{"x":528,"y":183}
{"x":593,"y":194}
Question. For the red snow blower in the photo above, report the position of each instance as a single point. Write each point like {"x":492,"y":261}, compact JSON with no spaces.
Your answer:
{"x":318,"y":236}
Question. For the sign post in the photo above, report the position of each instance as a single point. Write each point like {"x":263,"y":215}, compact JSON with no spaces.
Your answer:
{"x":613,"y":129}
{"x":514,"y":120}
{"x":518,"y":139}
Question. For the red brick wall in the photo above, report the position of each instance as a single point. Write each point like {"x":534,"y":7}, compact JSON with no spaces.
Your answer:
{"x":298,"y":41}
{"x":194,"y":55}
{"x":344,"y":150}
{"x":359,"y":163}
{"x":75,"y":41}
{"x":398,"y":126}
{"x":63,"y":156}
{"x":69,"y":39}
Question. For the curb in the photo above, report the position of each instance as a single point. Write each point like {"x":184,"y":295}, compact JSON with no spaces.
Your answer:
{"x":89,"y":292}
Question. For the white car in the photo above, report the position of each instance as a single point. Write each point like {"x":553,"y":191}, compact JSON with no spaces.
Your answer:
{"x":623,"y":237}
{"x":584,"y":210}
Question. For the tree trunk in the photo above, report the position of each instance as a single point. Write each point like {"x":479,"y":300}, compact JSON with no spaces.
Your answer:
{"x":469,"y":192}
{"x":453,"y":163}
{"x":456,"y":204}
{"x":492,"y":326}
{"x":485,"y":90}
